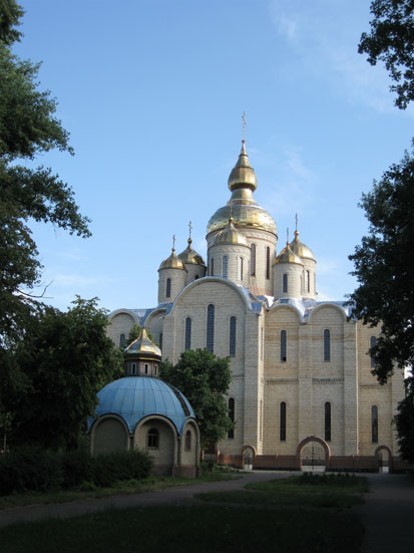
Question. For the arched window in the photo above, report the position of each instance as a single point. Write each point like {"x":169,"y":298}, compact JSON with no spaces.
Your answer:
{"x":326,"y":344}
{"x":283,"y":346}
{"x":212,"y":266}
{"x":241,"y":261}
{"x":307,"y":281}
{"x":372,"y":344}
{"x":160,"y":340}
{"x":153,"y":439}
{"x":374,"y":424}
{"x":122,"y":340}
{"x":285,"y":283}
{"x":187,"y":344}
{"x":328,"y":421}
{"x":231,"y":407}
{"x":187,"y":441}
{"x":282,"y":422}
{"x":225,"y":266}
{"x":268,"y":263}
{"x":232,"y":337}
{"x":253,"y":259}
{"x":146,"y":370}
{"x":168,"y":288}
{"x":210,"y":328}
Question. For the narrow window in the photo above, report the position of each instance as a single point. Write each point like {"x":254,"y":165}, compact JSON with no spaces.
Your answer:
{"x":187,"y":333}
{"x":232,"y":337}
{"x":122,"y":341}
{"x":225,"y":266}
{"x":372,"y":344}
{"x":326,"y":344}
{"x":283,"y":344}
{"x":241,"y":268}
{"x":231,"y":407}
{"x":212,"y":266}
{"x":146,"y":368}
{"x":210,"y":328}
{"x":282,"y":422}
{"x":187,"y":441}
{"x":253,"y":259}
{"x":153,"y":439}
{"x":168,"y":288}
{"x":327,"y":421}
{"x":307,"y":281}
{"x":160,"y":340}
{"x":374,"y":424}
{"x":268,"y":263}
{"x":285,"y":283}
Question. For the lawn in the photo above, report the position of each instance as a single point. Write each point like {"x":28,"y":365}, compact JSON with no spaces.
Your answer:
{"x":280,"y":522}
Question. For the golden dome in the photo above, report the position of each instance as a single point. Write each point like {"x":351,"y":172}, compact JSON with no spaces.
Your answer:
{"x":300,"y":248}
{"x":230,"y":235}
{"x":287,"y":255}
{"x":190,"y":256}
{"x":172,"y":262}
{"x":242,"y":205}
{"x":143,"y":347}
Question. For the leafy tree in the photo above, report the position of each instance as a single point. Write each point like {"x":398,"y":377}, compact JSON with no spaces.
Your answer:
{"x":404,"y":422}
{"x":384,"y":267}
{"x":65,"y":359}
{"x":28,"y":127}
{"x":204,"y":379}
{"x":391,"y":41}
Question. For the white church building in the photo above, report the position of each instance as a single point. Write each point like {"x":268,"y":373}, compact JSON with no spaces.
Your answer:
{"x":302,"y":392}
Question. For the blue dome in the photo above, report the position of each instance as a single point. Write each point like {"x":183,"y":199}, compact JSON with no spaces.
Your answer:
{"x":134,"y":398}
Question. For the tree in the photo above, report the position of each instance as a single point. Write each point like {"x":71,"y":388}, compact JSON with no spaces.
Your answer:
{"x":28,"y":127}
{"x":391,"y":41}
{"x":384,"y":267}
{"x":404,"y":422}
{"x":66,"y":359}
{"x":204,"y":379}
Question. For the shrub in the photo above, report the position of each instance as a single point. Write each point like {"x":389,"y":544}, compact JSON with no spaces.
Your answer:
{"x":77,"y":467}
{"x":123,"y":465}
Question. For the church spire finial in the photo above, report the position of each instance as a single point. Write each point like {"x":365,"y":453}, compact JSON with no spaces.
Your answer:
{"x":244,"y":127}
{"x":173,"y":241}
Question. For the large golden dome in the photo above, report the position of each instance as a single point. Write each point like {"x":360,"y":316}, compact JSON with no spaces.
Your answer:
{"x":242,"y":207}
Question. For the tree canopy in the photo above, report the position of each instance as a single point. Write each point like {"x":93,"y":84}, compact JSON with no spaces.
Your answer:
{"x":28,"y":127}
{"x":204,"y":379}
{"x":384,"y":267}
{"x":65,"y":359}
{"x":391,"y":41}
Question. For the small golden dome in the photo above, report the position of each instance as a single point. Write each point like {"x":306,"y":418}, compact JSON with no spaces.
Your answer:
{"x":172,"y":262}
{"x":190,"y":256}
{"x":230,"y":235}
{"x":287,"y":255}
{"x":300,"y":248}
{"x":242,"y":174}
{"x":143,"y":347}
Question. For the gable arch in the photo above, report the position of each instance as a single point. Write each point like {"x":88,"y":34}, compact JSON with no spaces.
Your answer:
{"x":338,"y":309}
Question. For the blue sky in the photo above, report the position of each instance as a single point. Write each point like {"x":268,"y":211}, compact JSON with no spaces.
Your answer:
{"x":152,"y":93}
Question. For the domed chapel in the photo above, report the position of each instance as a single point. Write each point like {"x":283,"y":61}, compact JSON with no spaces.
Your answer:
{"x":302,"y":392}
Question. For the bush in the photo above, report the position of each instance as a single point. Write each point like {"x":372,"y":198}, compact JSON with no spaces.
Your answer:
{"x":122,"y":465}
{"x":77,"y":467}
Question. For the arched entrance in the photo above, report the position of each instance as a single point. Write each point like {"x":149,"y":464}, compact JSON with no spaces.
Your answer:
{"x":384,"y":458}
{"x":313,"y":454}
{"x":248,"y":455}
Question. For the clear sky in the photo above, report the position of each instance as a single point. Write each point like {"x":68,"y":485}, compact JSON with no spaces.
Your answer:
{"x":152,"y":93}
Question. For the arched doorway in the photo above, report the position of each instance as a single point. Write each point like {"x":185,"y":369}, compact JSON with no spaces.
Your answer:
{"x":248,"y":455}
{"x":313,"y":454}
{"x":384,"y":458}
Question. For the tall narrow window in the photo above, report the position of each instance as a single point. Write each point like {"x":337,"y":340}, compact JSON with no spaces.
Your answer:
{"x":231,"y":406}
{"x":372,"y":344}
{"x":168,"y":288}
{"x":187,"y":344}
{"x":187,"y":441}
{"x":241,"y":261}
{"x":283,"y":346}
{"x":153,"y":439}
{"x":374,"y":424}
{"x":232,"y":337}
{"x":282,"y":422}
{"x":307,"y":281}
{"x":212,"y":266}
{"x":225,"y":266}
{"x":285,"y":283}
{"x":253,"y":259}
{"x":160,"y":340}
{"x":326,"y":344}
{"x":122,"y":341}
{"x":268,"y":263}
{"x":210,"y":328}
{"x":328,"y":421}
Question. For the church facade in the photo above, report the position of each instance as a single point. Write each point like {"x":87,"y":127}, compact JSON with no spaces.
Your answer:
{"x":302,"y":392}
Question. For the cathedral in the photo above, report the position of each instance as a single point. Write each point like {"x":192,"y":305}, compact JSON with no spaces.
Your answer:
{"x":302,"y":393}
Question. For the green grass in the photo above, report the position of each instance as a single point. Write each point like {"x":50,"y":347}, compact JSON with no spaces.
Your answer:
{"x":281,"y":516}
{"x":339,"y":491}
